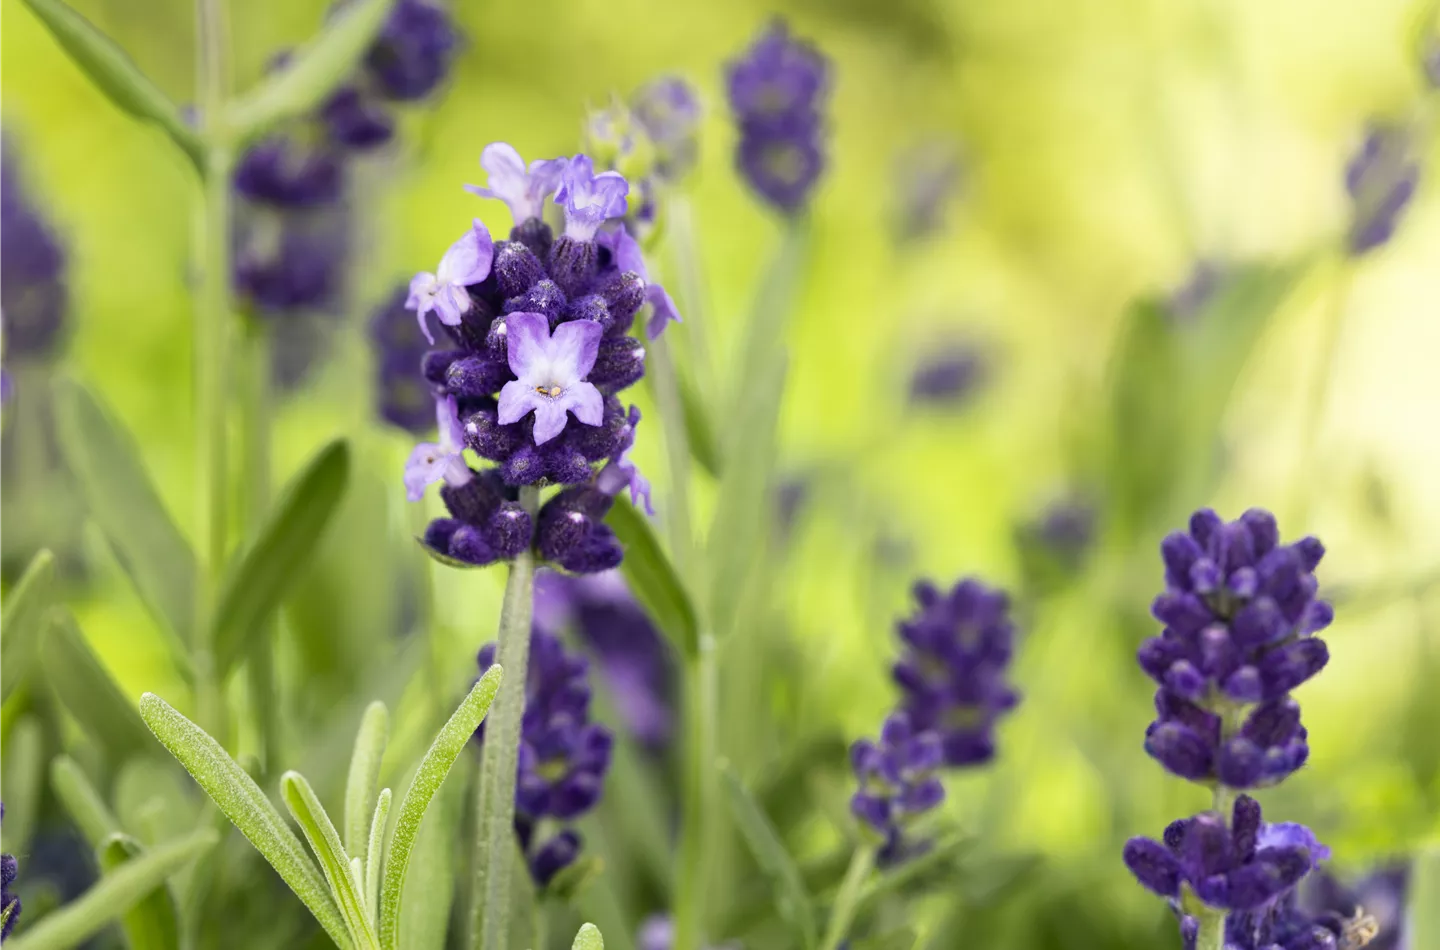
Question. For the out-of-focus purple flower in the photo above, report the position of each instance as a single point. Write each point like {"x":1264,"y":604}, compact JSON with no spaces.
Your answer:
{"x":777,"y":90}
{"x":657,"y":932}
{"x":563,"y":755}
{"x":949,"y":374}
{"x":33,"y":291}
{"x":633,"y":657}
{"x":356,"y":121}
{"x":550,"y":371}
{"x":1381,"y":179}
{"x":413,"y":52}
{"x":897,"y":781}
{"x":9,"y":903}
{"x":283,"y":173}
{"x":523,"y":189}
{"x":926,"y":176}
{"x":1240,"y":612}
{"x":1377,"y":899}
{"x":589,"y":199}
{"x":291,"y":263}
{"x":668,"y":109}
{"x":403,"y":397}
{"x":1199,"y":288}
{"x":444,"y":292}
{"x":1430,"y":63}
{"x":958,"y":646}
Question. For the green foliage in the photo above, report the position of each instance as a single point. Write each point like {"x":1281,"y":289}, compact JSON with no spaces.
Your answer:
{"x":699,"y":428}
{"x":364,"y":780}
{"x":305,"y":808}
{"x":791,"y":897}
{"x":87,"y":690}
{"x":1422,"y":916}
{"x":24,"y":621}
{"x":153,"y":923}
{"x":653,"y":579}
{"x":85,"y":805}
{"x":588,"y":939}
{"x":24,"y":775}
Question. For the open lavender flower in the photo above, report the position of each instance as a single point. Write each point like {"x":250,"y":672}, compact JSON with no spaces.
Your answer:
{"x":443,"y":292}
{"x":550,"y":371}
{"x":9,"y":903}
{"x":1381,"y":179}
{"x":897,"y":782}
{"x":563,"y":755}
{"x":1240,"y":612}
{"x":777,"y":90}
{"x":952,"y":671}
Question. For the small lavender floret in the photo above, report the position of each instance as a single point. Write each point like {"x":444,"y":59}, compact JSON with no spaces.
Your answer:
{"x":444,"y":292}
{"x":283,"y":173}
{"x":1381,"y":180}
{"x":897,"y":781}
{"x":950,"y":375}
{"x":550,"y":371}
{"x":523,"y":189}
{"x":355,"y":121}
{"x":33,"y":290}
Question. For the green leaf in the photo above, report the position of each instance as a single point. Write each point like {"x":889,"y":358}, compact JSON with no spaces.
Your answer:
{"x":364,"y":778}
{"x":902,"y":938}
{"x":324,"y":840}
{"x":571,"y":882}
{"x":313,"y":72}
{"x":258,"y":579}
{"x":24,"y":621}
{"x":154,"y":802}
{"x":241,"y":800}
{"x":122,"y":501}
{"x":23,"y":777}
{"x":92,"y":816}
{"x":699,"y":430}
{"x":791,"y":898}
{"x":588,"y":939}
{"x":653,"y":579}
{"x":1422,"y":916}
{"x":87,"y":690}
{"x":151,"y":924}
{"x":115,"y":73}
{"x":430,"y":889}
{"x":114,"y":894}
{"x":375,"y":850}
{"x":428,"y":778}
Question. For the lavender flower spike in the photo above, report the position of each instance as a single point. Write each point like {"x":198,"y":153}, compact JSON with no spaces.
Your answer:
{"x":589,"y":199}
{"x":523,"y":190}
{"x":551,"y":371}
{"x":628,"y":257}
{"x":467,"y":262}
{"x":430,"y":462}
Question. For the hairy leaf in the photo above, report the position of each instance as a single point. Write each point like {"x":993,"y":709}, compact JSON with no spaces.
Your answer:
{"x":23,"y":621}
{"x":653,"y":579}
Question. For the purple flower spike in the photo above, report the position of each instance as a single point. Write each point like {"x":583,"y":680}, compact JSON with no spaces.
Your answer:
{"x":523,"y":190}
{"x":431,"y":462}
{"x":551,"y":371}
{"x":467,"y":262}
{"x":589,"y":199}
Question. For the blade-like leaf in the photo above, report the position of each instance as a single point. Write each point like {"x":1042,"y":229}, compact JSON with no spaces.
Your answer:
{"x":314,"y":72}
{"x":89,"y":811}
{"x":430,"y":889}
{"x":89,"y":693}
{"x":153,"y":923}
{"x":698,"y":428}
{"x":364,"y":778}
{"x":115,"y":894}
{"x":115,"y":73}
{"x":22,"y":772}
{"x":375,"y":852}
{"x":258,"y":579}
{"x":653,"y":579}
{"x":241,"y":800}
{"x":428,"y":778}
{"x":122,"y":501}
{"x":792,"y":900}
{"x":588,"y":939}
{"x":23,"y":621}
{"x":1422,"y":916}
{"x":324,"y":840}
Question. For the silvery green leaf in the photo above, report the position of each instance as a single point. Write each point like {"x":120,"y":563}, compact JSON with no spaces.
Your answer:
{"x":115,"y":73}
{"x":375,"y":853}
{"x":241,"y":800}
{"x":88,"y":810}
{"x":152,"y":924}
{"x":588,"y":939}
{"x":258,"y":578}
{"x":792,"y":900}
{"x":653,"y":579}
{"x":89,"y":693}
{"x":430,"y":887}
{"x":324,"y":840}
{"x":120,"y":498}
{"x":423,"y":787}
{"x":699,"y":429}
{"x":360,"y":788}
{"x":113,"y":895}
{"x":313,"y":73}
{"x":1422,"y":915}
{"x":22,"y":773}
{"x":24,"y":621}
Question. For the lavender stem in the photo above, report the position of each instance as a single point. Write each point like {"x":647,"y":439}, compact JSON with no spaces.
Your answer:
{"x":861,"y":864}
{"x":255,"y":409}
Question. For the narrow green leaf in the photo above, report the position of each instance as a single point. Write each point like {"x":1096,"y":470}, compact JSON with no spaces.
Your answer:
{"x":313,"y":73}
{"x":23,"y":621}
{"x":154,"y":802}
{"x":375,"y":853}
{"x":1422,"y":916}
{"x":324,"y":840}
{"x":699,"y":430}
{"x":937,"y":867}
{"x":115,"y":73}
{"x":114,"y":894}
{"x":588,"y":939}
{"x":122,"y":501}
{"x":22,"y":772}
{"x":152,"y":924}
{"x":428,"y":778}
{"x":89,"y":693}
{"x":653,"y":579}
{"x":792,"y":900}
{"x":902,"y":938}
{"x":92,"y":816}
{"x":430,"y":888}
{"x":258,"y":579}
{"x":241,"y":800}
{"x":364,"y":778}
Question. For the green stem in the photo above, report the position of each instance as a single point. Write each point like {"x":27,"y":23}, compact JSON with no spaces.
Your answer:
{"x":692,"y":892}
{"x":677,"y":451}
{"x":841,"y":915}
{"x":495,"y":831}
{"x":692,"y":293}
{"x":256,"y":412}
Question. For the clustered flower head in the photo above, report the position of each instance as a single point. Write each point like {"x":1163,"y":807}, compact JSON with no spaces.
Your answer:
{"x":1240,"y":612}
{"x":33,"y":290}
{"x":538,"y":352}
{"x":563,"y":755}
{"x":9,"y":903}
{"x":1381,"y":179}
{"x":957,"y":647}
{"x":777,"y":91}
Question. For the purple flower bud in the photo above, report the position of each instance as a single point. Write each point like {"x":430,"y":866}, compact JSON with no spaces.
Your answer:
{"x":413,"y":52}
{"x":1381,"y":179}
{"x":1179,"y":749}
{"x":284,"y":174}
{"x":516,"y":268}
{"x":355,"y":122}
{"x":1153,"y":865}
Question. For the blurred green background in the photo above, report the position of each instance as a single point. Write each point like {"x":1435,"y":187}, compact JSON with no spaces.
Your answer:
{"x":1106,"y":145}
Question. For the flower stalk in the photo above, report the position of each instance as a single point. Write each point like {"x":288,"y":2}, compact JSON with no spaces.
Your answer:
{"x":256,"y":418}
{"x":862,"y":862}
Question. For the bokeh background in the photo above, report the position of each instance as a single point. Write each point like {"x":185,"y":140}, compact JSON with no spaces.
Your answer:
{"x":1104,"y":148}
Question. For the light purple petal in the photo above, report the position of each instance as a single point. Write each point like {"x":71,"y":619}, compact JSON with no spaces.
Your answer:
{"x":516,"y":399}
{"x":450,"y":303}
{"x":627,"y":253}
{"x":447,"y":421}
{"x":527,"y":342}
{"x":585,"y":401}
{"x":574,"y":347}
{"x":549,"y":418}
{"x":422,"y":300}
{"x":664,"y":311}
{"x":468,"y":259}
{"x":589,"y":199}
{"x":545,"y":174}
{"x":426,"y":465}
